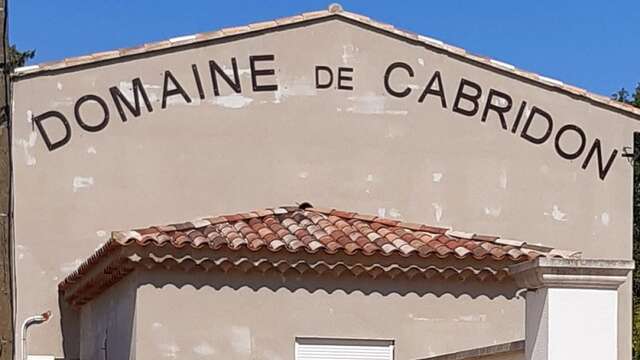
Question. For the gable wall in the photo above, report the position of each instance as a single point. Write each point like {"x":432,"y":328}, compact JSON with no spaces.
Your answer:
{"x":361,"y":150}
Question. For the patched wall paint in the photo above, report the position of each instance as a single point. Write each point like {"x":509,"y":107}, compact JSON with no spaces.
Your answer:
{"x":205,"y":158}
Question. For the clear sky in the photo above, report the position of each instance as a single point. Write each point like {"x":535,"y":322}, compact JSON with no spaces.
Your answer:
{"x":593,"y":44}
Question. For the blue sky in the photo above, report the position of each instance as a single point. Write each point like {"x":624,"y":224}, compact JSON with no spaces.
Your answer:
{"x":589,"y":43}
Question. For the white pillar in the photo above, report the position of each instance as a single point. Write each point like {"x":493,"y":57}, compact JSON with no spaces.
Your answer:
{"x":571,"y":307}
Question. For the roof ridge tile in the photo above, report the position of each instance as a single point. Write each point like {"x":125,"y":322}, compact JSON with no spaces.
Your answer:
{"x":343,"y":214}
{"x":509,"y":242}
{"x":315,"y":14}
{"x":460,"y":234}
{"x":280,"y":211}
{"x":234,"y":30}
{"x":490,"y":238}
{"x":288,"y":20}
{"x":326,"y":211}
{"x":262,"y":25}
{"x":386,"y":221}
{"x":364,"y":217}
{"x":410,"y":225}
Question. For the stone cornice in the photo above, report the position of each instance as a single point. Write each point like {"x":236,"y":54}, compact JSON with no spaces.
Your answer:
{"x":571,"y":273}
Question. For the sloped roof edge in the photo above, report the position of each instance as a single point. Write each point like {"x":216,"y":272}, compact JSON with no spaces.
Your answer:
{"x":333,"y":11}
{"x":478,"y":353}
{"x":302,"y":238}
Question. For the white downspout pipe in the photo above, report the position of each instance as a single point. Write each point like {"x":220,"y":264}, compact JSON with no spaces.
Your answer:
{"x":36,"y":319}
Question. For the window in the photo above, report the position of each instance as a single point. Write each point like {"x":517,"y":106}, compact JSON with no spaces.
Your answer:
{"x":343,"y":349}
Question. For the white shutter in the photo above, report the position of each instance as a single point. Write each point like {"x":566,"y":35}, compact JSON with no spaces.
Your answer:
{"x":343,"y":349}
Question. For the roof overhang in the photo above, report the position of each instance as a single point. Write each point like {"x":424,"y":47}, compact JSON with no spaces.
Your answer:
{"x":303,"y":240}
{"x":479,"y":353}
{"x":117,"y":262}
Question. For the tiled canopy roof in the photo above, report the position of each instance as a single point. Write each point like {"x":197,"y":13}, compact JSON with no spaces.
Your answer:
{"x":303,"y":238}
{"x":334,"y":11}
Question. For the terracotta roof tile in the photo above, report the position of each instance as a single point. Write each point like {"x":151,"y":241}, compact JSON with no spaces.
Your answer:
{"x":485,"y":237}
{"x":322,"y":233}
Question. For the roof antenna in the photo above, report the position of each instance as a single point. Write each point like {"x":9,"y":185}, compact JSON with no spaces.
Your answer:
{"x":305,"y":205}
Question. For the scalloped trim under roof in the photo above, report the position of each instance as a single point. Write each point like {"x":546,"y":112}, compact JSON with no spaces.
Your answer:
{"x":302,"y":238}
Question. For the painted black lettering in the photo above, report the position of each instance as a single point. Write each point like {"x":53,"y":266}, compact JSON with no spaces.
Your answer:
{"x":516,"y":122}
{"x":497,"y":108}
{"x":138,"y":91}
{"x":98,"y":100}
{"x":525,"y":130}
{"x":196,"y":76}
{"x":576,"y":153}
{"x":38,"y":120}
{"x":343,"y":78}
{"x":387,"y":75}
{"x":261,"y":72}
{"x":471,"y":98}
{"x":436,"y":79}
{"x":177,"y":89}
{"x":216,"y":71}
{"x":327,"y":70}
{"x":603,"y":169}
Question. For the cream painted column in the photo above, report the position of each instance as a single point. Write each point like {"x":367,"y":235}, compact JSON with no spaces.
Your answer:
{"x":571,"y":307}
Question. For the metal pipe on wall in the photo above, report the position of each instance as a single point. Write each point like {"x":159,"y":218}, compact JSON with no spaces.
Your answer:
{"x":36,"y":319}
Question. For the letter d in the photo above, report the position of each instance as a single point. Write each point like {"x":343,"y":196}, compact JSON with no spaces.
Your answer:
{"x":47,"y":140}
{"x":541,"y":115}
{"x":329,"y":81}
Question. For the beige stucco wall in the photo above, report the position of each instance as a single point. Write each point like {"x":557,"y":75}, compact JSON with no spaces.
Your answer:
{"x":256,"y":316}
{"x":359,"y":150}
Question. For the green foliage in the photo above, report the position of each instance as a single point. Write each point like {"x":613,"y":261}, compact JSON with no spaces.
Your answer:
{"x":636,"y":220}
{"x":17,"y":58}
{"x":624,"y":96}
{"x":636,"y":238}
{"x":634,"y":99}
{"x":636,"y":330}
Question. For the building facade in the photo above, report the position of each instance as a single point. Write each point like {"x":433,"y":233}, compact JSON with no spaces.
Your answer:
{"x":328,"y":107}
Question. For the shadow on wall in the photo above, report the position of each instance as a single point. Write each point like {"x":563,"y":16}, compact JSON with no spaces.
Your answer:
{"x":70,"y":325}
{"x":294,"y":281}
{"x":104,"y":328}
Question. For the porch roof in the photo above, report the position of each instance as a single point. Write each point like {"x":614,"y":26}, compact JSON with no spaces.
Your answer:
{"x":302,"y":238}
